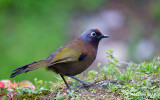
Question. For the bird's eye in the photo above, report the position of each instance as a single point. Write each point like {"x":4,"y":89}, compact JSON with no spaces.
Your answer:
{"x":93,"y":34}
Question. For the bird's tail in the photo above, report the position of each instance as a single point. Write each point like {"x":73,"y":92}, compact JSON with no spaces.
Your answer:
{"x":29,"y":67}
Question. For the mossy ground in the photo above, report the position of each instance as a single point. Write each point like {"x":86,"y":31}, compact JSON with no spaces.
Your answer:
{"x":115,"y":81}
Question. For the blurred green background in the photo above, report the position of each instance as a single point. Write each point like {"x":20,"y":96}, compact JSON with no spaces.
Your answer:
{"x":30,"y":30}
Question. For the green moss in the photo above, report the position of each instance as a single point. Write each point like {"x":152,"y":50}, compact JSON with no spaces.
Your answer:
{"x":132,"y":81}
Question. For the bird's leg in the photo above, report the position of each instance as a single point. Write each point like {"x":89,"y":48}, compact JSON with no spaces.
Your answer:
{"x":65,"y":82}
{"x":84,"y":83}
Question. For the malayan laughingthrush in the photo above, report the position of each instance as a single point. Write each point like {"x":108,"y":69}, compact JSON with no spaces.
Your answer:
{"x":71,"y":59}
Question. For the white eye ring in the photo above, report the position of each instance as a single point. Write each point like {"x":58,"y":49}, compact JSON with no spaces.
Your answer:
{"x":93,"y":34}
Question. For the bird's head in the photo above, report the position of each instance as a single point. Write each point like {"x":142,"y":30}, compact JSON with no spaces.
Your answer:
{"x":92,"y":36}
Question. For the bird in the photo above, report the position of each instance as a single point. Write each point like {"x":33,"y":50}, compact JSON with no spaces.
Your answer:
{"x":70,"y":59}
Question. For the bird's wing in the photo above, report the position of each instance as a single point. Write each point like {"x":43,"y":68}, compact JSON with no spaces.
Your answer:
{"x":68,"y":55}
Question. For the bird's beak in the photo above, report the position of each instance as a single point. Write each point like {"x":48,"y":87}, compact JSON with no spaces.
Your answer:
{"x":104,"y":36}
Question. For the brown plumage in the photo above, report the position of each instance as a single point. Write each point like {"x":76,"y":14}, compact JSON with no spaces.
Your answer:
{"x":70,"y":59}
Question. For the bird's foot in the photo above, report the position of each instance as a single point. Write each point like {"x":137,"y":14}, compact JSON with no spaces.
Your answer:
{"x":65,"y":83}
{"x":86,"y":85}
{"x":68,"y":87}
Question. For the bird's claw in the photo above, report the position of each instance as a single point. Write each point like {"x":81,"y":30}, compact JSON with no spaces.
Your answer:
{"x":86,"y":85}
{"x":68,"y":87}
